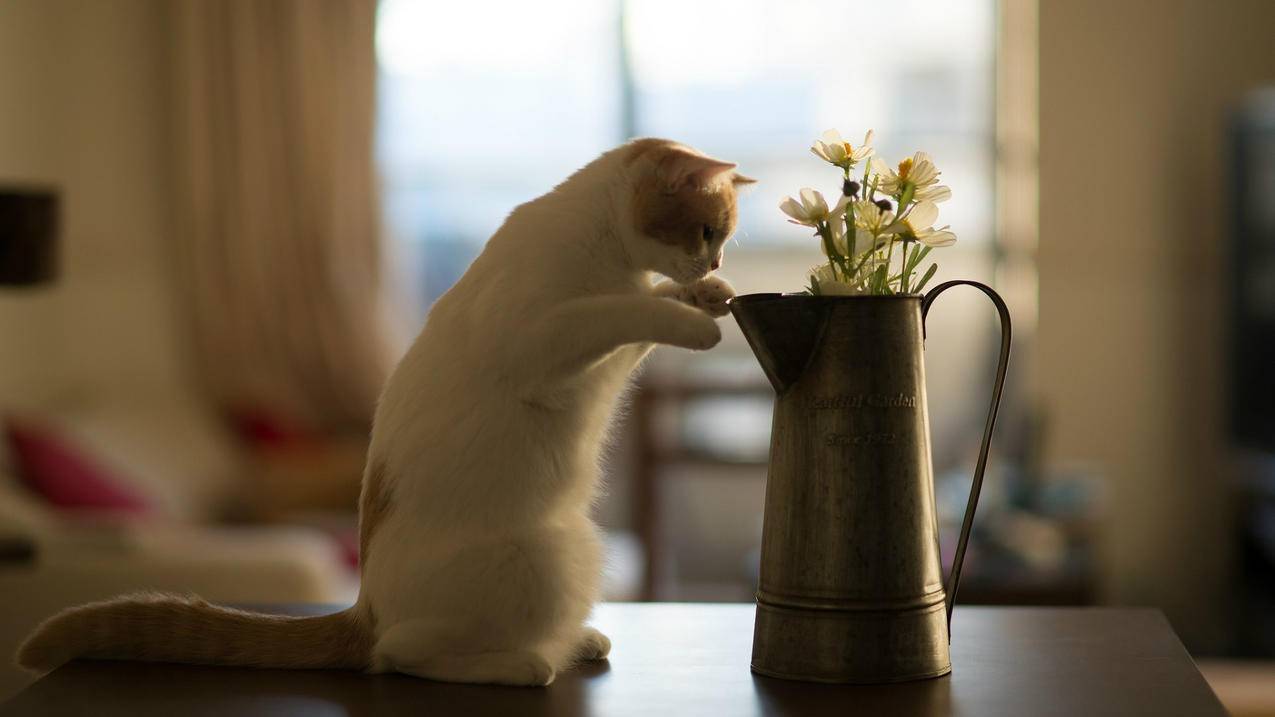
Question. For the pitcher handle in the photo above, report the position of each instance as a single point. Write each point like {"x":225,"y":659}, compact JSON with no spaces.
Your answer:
{"x":954,"y":579}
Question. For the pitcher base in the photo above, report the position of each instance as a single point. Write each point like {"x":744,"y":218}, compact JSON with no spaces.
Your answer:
{"x":831,"y":681}
{"x":851,"y":646}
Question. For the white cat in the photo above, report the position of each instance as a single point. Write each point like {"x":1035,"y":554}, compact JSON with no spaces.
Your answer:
{"x":480,"y":561}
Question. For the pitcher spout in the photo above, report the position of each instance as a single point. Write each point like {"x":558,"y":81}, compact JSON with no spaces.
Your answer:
{"x":782,"y":330}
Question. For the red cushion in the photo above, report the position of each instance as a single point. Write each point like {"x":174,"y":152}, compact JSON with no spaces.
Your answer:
{"x":66,"y":477}
{"x":347,"y":540}
{"x":267,"y":429}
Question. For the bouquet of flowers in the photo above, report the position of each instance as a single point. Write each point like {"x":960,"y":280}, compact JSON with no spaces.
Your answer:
{"x":882,"y":212}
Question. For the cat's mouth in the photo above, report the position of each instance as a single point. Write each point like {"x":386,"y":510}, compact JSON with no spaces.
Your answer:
{"x":690,"y":278}
{"x":691,"y":274}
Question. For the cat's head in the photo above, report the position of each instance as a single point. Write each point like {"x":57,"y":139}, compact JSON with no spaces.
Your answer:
{"x":683,"y":209}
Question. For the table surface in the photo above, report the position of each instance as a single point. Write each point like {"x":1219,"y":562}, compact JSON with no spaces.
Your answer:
{"x":692,"y":659}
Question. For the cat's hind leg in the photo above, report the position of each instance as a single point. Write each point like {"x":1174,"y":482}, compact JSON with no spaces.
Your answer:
{"x":517,"y":668}
{"x":593,"y":645}
{"x":425,"y":648}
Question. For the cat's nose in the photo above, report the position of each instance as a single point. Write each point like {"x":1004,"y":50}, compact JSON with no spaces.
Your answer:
{"x":717,"y":262}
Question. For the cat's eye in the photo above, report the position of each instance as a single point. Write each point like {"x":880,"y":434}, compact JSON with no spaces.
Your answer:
{"x":708,"y":233}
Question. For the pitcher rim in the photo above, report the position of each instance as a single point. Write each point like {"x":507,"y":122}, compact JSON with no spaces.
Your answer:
{"x":776,"y":296}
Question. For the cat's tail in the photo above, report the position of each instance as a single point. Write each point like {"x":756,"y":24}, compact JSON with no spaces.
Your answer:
{"x":153,"y":627}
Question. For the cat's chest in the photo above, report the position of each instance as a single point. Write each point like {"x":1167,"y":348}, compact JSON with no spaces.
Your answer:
{"x":594,"y":390}
{"x":614,"y":371}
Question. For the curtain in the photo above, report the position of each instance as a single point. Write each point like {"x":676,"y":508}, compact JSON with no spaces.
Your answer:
{"x":278,"y":214}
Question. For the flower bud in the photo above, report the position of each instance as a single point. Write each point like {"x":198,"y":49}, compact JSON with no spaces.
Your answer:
{"x":884,"y":204}
{"x":850,"y":188}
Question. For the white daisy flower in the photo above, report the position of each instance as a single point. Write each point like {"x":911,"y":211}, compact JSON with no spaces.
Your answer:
{"x":830,"y":147}
{"x":871,"y":217}
{"x":862,"y":239}
{"x":810,"y":209}
{"x":917,"y":170}
{"x":924,"y":215}
{"x":829,"y":283}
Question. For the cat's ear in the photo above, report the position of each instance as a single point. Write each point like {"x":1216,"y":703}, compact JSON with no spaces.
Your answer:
{"x":738,"y":179}
{"x":679,"y":169}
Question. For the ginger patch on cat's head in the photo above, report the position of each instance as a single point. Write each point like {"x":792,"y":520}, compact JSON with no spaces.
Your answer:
{"x":684,"y":198}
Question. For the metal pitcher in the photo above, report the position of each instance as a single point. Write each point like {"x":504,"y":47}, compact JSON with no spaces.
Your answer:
{"x":851,"y":585}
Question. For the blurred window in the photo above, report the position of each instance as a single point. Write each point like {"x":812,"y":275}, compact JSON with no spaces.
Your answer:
{"x":486,"y":104}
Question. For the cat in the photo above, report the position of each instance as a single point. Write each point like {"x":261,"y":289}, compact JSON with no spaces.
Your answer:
{"x":480,"y":562}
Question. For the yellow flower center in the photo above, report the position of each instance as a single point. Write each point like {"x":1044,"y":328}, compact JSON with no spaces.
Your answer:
{"x":849,"y":149}
{"x":905,"y":168}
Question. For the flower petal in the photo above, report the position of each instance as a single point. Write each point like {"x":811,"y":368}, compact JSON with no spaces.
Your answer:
{"x":867,"y":214}
{"x":835,"y":287}
{"x":813,"y":202}
{"x":923,"y":215}
{"x":792,"y":208}
{"x":863,"y":241}
{"x":838,"y":240}
{"x":934,"y":194}
{"x":939,"y":238}
{"x":829,"y":283}
{"x":923,"y":174}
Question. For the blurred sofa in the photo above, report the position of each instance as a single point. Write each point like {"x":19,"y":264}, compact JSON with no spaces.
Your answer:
{"x":217,"y":517}
{"x":190,"y":474}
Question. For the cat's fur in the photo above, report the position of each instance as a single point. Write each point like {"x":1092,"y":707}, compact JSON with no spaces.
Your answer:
{"x":480,"y":561}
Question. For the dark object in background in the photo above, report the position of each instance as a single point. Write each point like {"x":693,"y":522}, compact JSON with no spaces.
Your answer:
{"x":28,"y":256}
{"x":1252,"y":356}
{"x":28,"y":236}
{"x":1252,"y":304}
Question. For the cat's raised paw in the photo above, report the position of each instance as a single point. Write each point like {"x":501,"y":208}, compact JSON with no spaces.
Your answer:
{"x":710,"y":294}
{"x":700,"y":333}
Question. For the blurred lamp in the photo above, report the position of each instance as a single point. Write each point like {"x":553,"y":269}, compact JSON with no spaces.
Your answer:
{"x":28,"y":236}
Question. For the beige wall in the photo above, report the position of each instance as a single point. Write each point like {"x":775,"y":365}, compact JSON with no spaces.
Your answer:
{"x":82,"y":106}
{"x":1134,"y":98}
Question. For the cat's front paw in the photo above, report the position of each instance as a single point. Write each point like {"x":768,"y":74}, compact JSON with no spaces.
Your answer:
{"x":699,"y":333}
{"x":710,"y":294}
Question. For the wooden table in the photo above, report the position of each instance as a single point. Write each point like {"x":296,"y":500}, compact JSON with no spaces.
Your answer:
{"x":692,"y":659}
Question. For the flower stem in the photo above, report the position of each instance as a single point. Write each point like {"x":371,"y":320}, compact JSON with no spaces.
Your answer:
{"x":835,"y":260}
{"x":859,"y":266}
{"x":905,"y":198}
{"x":889,"y":257}
{"x":903,"y":271}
